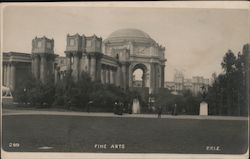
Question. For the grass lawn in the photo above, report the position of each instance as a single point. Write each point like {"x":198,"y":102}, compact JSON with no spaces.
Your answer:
{"x":138,"y":135}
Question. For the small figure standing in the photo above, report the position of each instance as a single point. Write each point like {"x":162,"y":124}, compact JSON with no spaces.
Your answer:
{"x":175,"y":109}
{"x":116,"y":107}
{"x":129,"y":108}
{"x":89,"y":105}
{"x":159,"y":111}
{"x":203,"y":92}
{"x":120,"y":109}
{"x":69,"y":104}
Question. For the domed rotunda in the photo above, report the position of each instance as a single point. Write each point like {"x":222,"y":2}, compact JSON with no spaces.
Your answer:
{"x":137,"y":50}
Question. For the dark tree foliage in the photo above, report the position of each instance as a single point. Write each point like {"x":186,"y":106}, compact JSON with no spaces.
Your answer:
{"x":186,"y":102}
{"x":227,"y":95}
{"x":69,"y":94}
{"x":36,"y":93}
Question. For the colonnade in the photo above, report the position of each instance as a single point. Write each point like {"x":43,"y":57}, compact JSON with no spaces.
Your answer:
{"x":108,"y":74}
{"x":9,"y":74}
{"x":42,"y":65}
{"x":76,"y":64}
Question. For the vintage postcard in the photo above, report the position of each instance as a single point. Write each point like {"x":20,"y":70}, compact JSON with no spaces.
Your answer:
{"x":125,"y":80}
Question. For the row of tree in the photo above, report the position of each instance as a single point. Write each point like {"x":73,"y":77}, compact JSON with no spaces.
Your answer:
{"x":72,"y":95}
{"x":186,"y":103}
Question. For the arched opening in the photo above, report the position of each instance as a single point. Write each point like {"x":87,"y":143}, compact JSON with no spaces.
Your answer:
{"x":139,"y":77}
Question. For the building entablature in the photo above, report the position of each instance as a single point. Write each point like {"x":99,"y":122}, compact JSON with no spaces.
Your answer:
{"x":106,"y":60}
{"x":146,"y":59}
{"x":14,"y":57}
{"x":45,"y":55}
{"x":60,"y":60}
{"x":135,"y":48}
{"x":73,"y":53}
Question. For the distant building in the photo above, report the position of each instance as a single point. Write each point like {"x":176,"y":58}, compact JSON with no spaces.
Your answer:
{"x":197,"y":83}
{"x":178,"y":80}
{"x":188,"y":84}
{"x":180,"y":84}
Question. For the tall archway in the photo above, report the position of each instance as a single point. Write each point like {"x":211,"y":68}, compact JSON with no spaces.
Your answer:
{"x":139,"y":75}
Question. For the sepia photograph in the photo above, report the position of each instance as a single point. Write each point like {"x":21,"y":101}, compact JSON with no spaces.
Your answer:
{"x":127,"y":80}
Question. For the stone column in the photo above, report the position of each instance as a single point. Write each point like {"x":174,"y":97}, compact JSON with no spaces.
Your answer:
{"x":131,"y":48}
{"x":162,"y":76}
{"x":159,"y":75}
{"x":32,"y":65}
{"x":107,"y":76}
{"x":68,"y":60}
{"x":157,"y":78}
{"x":104,"y":75}
{"x":36,"y":66}
{"x":118,"y":76}
{"x":111,"y":77}
{"x":5,"y":74}
{"x":56,"y":75}
{"x":152,"y":78}
{"x":82,"y":63}
{"x":75,"y":67}
{"x":12,"y":76}
{"x":98,"y":67}
{"x":43,"y":68}
{"x":144,"y":79}
{"x":93,"y":68}
{"x":124,"y":77}
{"x":114,"y":77}
{"x":130,"y":76}
{"x":3,"y":66}
{"x":89,"y":64}
{"x":102,"y":78}
{"x":51,"y":68}
{"x":61,"y":74}
{"x":8,"y":75}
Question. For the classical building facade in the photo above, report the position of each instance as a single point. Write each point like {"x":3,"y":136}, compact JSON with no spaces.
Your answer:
{"x":110,"y":61}
{"x":194,"y":84}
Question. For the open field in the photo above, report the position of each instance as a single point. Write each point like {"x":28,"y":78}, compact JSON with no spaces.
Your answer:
{"x":74,"y":133}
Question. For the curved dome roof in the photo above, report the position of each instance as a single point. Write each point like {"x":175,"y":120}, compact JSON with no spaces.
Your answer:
{"x":129,"y":35}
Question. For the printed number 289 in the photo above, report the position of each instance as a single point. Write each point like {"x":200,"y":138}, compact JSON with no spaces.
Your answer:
{"x":14,"y":144}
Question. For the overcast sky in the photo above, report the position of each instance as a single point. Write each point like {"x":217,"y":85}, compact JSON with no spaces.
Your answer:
{"x":195,"y":39}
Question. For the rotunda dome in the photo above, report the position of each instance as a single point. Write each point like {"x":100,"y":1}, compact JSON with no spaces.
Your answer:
{"x":129,"y":34}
